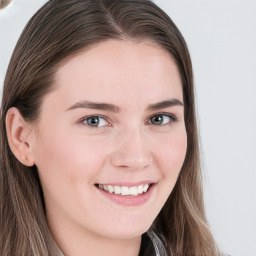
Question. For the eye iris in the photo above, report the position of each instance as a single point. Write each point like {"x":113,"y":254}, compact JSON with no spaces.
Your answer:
{"x":93,"y":121}
{"x":157,"y":120}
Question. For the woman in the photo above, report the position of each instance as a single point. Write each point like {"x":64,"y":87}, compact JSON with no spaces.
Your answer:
{"x":99,"y":142}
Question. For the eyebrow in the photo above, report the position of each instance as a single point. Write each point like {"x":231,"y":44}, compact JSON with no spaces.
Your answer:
{"x":115,"y":109}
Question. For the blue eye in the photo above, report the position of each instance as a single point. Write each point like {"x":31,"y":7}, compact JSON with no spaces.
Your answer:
{"x":161,"y":119}
{"x":95,"y":121}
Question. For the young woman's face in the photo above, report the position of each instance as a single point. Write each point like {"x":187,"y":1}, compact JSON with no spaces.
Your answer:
{"x":115,"y":120}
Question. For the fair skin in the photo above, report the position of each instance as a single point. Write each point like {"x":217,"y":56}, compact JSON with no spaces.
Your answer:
{"x":126,"y":148}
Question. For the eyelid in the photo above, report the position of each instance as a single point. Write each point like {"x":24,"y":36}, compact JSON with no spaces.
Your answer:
{"x":172,"y":116}
{"x":82,"y":120}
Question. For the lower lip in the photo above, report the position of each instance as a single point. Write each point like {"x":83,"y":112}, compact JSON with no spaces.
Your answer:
{"x":129,"y":200}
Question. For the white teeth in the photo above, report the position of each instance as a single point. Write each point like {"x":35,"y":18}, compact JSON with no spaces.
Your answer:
{"x":133,"y":191}
{"x":125,"y":191}
{"x":145,"y":188}
{"x":110,"y":189}
{"x":140,"y":189}
{"x":117,"y":190}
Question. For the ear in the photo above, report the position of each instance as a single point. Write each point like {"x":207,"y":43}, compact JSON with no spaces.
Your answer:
{"x":18,"y":131}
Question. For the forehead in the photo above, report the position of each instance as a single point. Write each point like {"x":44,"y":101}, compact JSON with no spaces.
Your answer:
{"x":120,"y":71}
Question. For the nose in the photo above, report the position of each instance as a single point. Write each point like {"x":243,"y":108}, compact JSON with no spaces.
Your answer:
{"x":131,"y":151}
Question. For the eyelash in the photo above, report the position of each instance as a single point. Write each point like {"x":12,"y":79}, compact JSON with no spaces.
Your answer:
{"x":171,"y":116}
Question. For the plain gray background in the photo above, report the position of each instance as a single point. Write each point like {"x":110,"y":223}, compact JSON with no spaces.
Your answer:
{"x":221,"y":36}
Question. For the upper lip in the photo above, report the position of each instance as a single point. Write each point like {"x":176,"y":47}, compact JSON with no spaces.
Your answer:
{"x":128,"y":184}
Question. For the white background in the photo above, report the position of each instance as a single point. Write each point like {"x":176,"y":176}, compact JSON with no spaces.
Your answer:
{"x":221,"y":36}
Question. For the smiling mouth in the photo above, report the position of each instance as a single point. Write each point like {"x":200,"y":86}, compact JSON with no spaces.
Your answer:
{"x":124,"y":190}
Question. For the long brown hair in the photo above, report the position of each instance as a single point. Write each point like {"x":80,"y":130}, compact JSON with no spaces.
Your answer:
{"x":57,"y":31}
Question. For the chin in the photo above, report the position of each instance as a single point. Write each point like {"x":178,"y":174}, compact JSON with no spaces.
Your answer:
{"x":128,"y":230}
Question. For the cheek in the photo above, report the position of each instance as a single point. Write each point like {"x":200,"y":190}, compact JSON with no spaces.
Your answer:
{"x":171,"y":157}
{"x":65,"y":159}
{"x":172,"y":153}
{"x":67,"y":167}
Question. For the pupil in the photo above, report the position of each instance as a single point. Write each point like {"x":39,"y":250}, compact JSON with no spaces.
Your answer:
{"x":157,"y":119}
{"x":93,"y":121}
